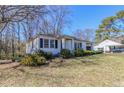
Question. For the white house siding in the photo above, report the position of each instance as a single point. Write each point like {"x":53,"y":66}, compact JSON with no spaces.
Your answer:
{"x":106,"y":48}
{"x":67,"y":43}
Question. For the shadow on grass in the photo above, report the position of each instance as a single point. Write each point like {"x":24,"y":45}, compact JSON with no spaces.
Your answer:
{"x":43,"y":75}
{"x":74,"y":63}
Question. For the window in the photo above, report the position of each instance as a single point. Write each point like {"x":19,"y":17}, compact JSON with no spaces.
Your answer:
{"x":80,"y":45}
{"x":56,"y":43}
{"x":77,"y":45}
{"x":52,"y":43}
{"x":46,"y":43}
{"x":41,"y":42}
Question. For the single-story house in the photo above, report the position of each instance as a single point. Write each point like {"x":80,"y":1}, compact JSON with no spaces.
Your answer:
{"x":54,"y":44}
{"x":107,"y":46}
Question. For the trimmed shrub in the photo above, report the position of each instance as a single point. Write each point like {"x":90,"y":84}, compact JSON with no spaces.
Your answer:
{"x":39,"y":60}
{"x":33,"y":60}
{"x":28,"y":61}
{"x":65,"y":53}
{"x":47,"y":55}
{"x":98,"y":52}
{"x":88,"y":52}
{"x":78,"y":52}
{"x":40,"y":52}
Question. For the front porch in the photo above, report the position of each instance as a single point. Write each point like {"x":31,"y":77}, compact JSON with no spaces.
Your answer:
{"x":67,"y":43}
{"x":70,"y":43}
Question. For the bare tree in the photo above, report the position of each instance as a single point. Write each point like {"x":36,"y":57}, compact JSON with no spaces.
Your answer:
{"x":15,"y":20}
{"x":86,"y":34}
{"x":9,"y":14}
{"x":56,"y":20}
{"x":19,"y":24}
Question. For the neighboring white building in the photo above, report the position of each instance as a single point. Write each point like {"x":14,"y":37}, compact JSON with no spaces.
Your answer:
{"x":107,"y":46}
{"x":54,"y":44}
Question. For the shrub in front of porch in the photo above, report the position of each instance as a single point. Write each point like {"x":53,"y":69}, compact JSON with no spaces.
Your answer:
{"x":65,"y":53}
{"x":39,"y":52}
{"x":81,"y":52}
{"x":47,"y":55}
{"x":78,"y":52}
{"x":97,"y":52}
{"x":89,"y":52}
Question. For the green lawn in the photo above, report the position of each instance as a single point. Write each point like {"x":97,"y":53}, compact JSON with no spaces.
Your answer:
{"x":97,"y":70}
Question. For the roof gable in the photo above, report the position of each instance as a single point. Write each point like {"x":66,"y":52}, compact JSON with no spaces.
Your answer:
{"x":109,"y":43}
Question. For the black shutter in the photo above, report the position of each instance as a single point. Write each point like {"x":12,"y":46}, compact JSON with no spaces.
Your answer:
{"x":41,"y":42}
{"x":56,"y":43}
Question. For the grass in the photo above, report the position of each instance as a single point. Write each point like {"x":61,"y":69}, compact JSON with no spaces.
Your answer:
{"x":97,"y":70}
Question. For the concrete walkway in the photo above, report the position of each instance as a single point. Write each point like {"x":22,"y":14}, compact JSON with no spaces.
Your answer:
{"x":5,"y":61}
{"x":9,"y":65}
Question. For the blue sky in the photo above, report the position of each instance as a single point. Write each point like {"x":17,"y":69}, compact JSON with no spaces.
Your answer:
{"x":90,"y":16}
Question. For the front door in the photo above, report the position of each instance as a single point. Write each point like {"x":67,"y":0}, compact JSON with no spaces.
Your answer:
{"x":88,"y":48}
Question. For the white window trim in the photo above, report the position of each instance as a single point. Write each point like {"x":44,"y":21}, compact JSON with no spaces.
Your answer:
{"x":53,"y":43}
{"x":44,"y":43}
{"x":49,"y":45}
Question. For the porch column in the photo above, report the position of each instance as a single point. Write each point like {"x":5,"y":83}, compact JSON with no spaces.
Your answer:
{"x":63,"y":43}
{"x":72,"y":44}
{"x":104,"y":49}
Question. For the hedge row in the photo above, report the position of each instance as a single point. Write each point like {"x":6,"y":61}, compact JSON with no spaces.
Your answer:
{"x":40,"y":57}
{"x":65,"y":53}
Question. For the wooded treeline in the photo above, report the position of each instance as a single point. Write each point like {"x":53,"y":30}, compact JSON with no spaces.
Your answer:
{"x":19,"y":24}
